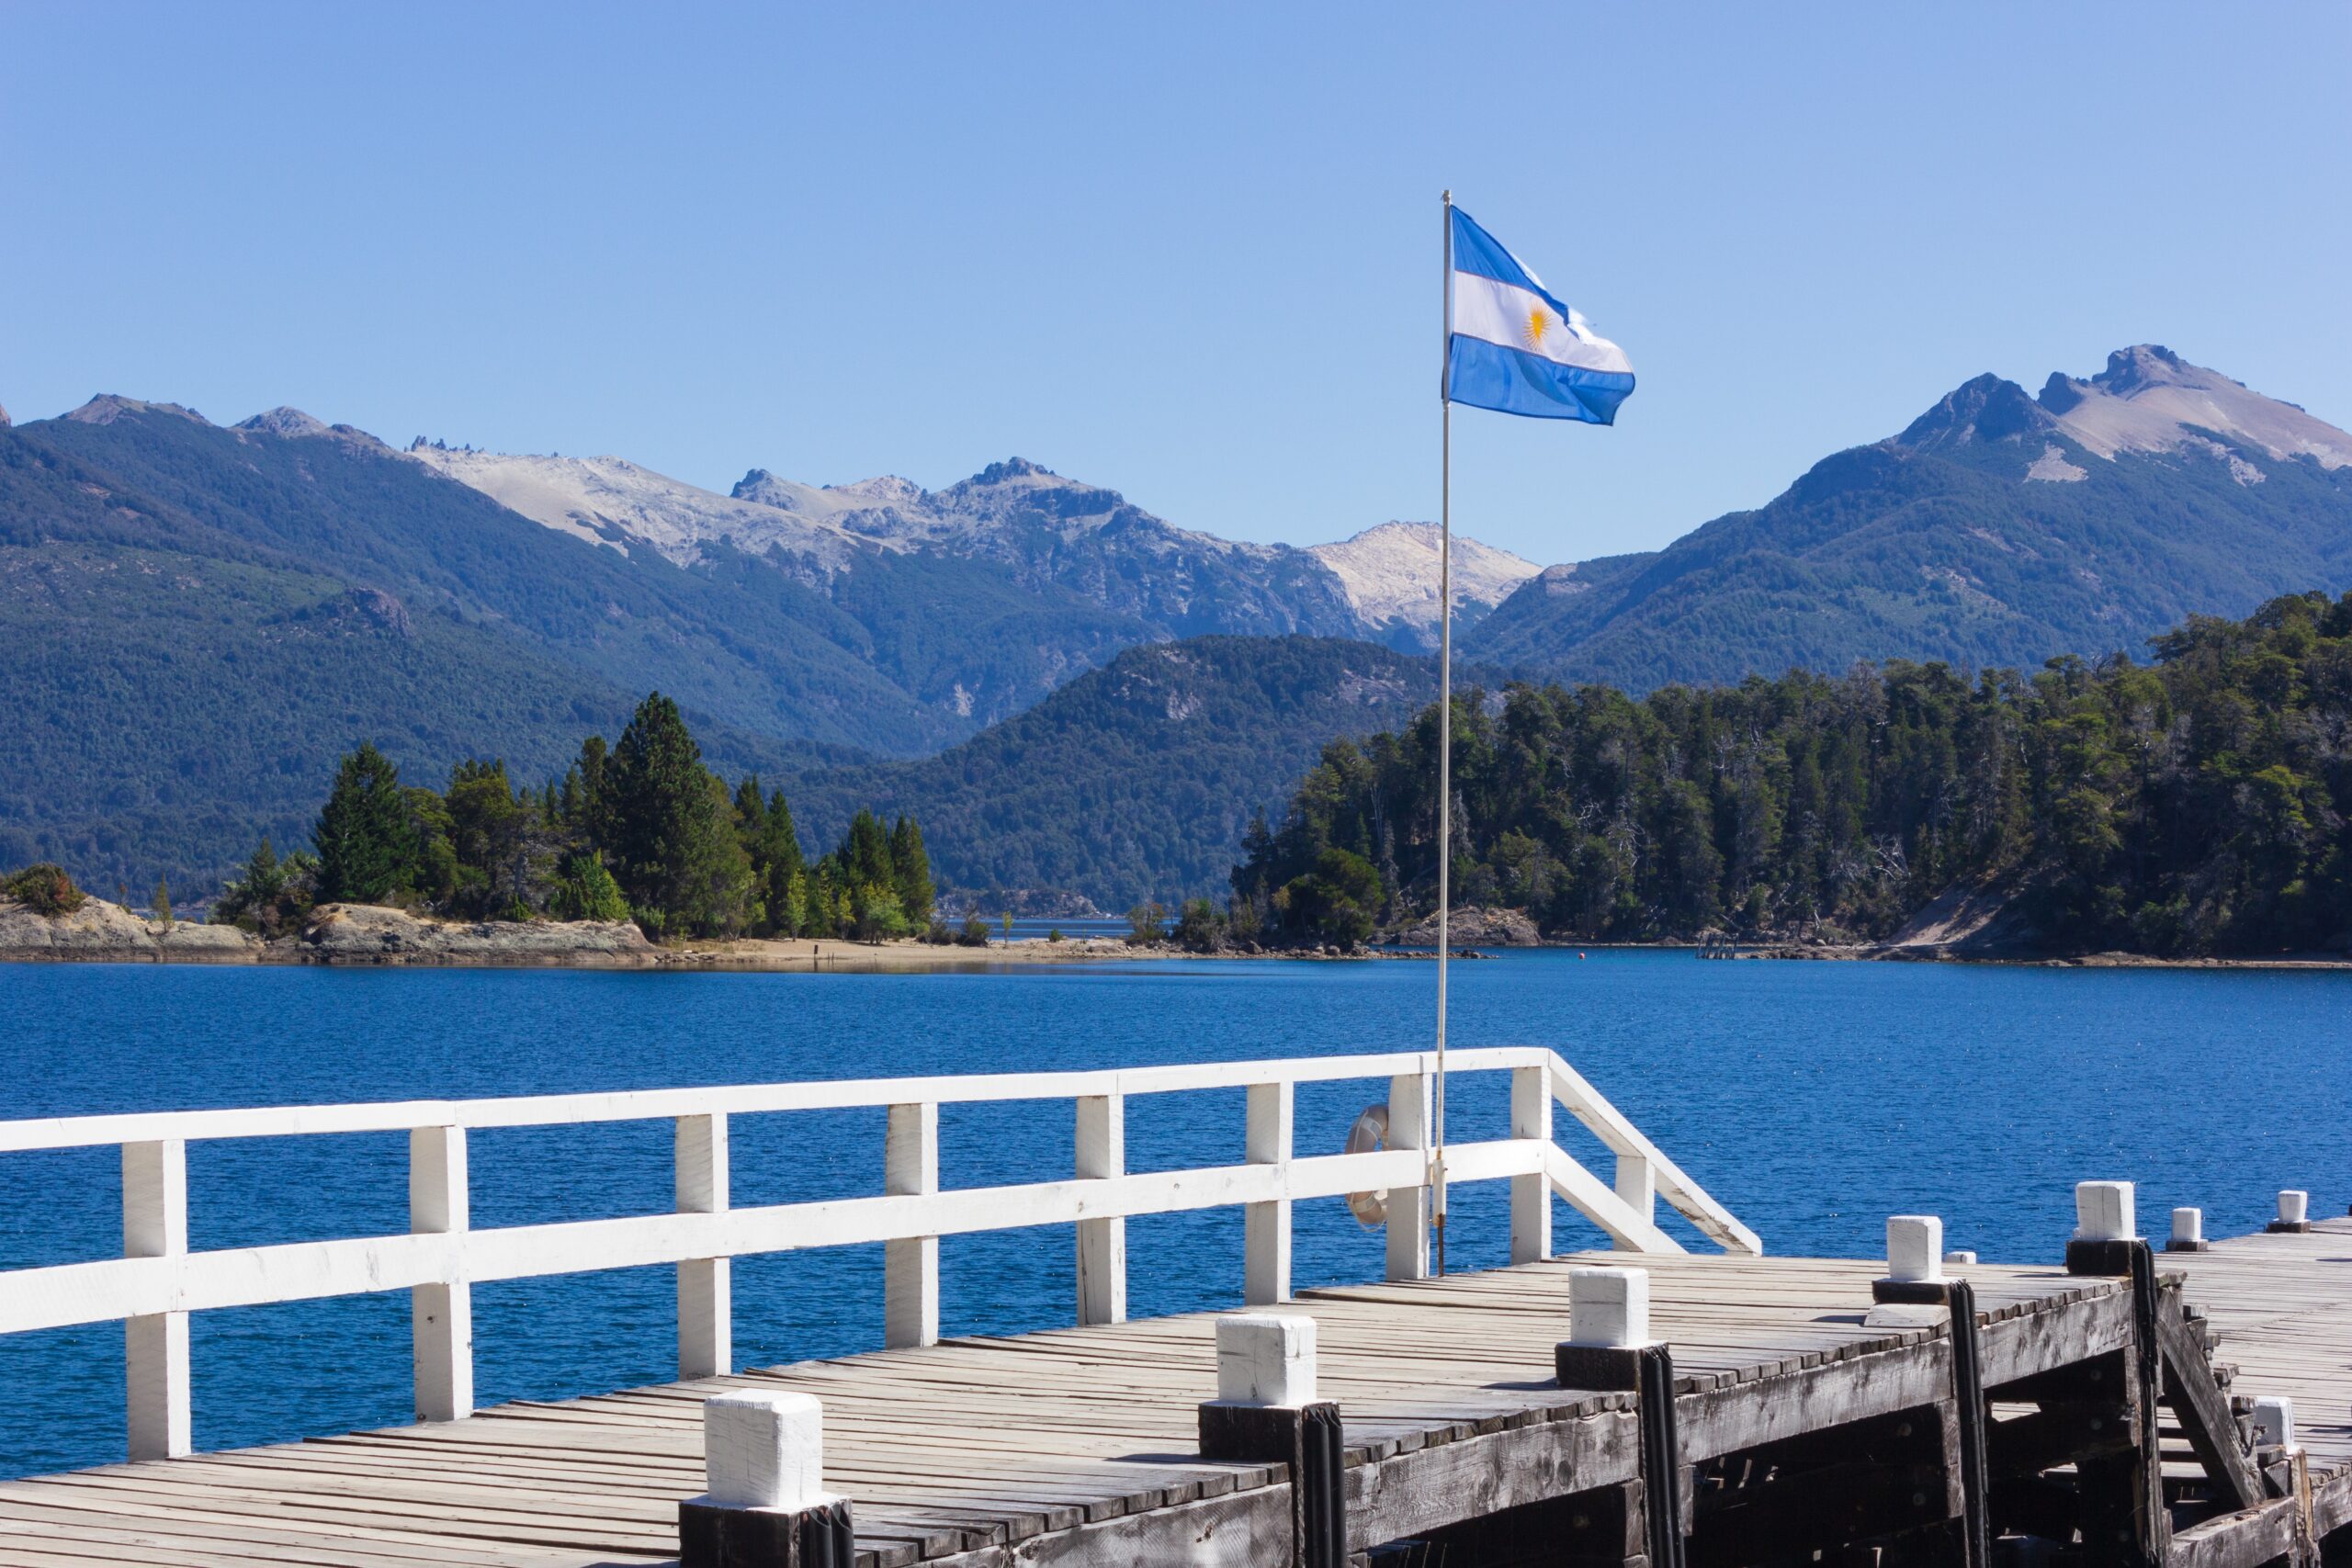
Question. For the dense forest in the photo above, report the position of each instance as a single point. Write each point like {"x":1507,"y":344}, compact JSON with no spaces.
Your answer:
{"x":2190,"y":805}
{"x":640,"y":830}
{"x":1137,"y":780}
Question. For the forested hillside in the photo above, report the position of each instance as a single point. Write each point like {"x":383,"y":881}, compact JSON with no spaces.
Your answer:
{"x":2193,"y":804}
{"x":176,"y":693}
{"x":748,"y":644}
{"x":1134,"y":781}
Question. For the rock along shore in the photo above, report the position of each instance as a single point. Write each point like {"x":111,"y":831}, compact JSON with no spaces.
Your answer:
{"x":102,"y":932}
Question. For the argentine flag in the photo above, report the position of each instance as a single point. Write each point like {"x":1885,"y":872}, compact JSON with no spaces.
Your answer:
{"x":1511,"y":347}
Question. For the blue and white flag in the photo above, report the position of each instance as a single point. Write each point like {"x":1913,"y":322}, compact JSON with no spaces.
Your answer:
{"x":1511,"y":347}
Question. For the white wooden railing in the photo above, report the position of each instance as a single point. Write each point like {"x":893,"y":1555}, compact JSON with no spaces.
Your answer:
{"x":158,"y":1282}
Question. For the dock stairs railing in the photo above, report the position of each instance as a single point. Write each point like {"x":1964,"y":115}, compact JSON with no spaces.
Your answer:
{"x":158,"y":1281}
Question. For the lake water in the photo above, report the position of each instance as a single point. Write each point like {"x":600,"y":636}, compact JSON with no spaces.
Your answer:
{"x":1811,"y":1099}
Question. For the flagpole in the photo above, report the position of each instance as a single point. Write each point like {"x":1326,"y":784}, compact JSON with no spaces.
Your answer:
{"x":1445,"y":724}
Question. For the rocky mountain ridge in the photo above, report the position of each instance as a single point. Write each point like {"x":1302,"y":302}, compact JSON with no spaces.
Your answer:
{"x":1046,"y":530}
{"x":1997,"y":528}
{"x":1391,"y":573}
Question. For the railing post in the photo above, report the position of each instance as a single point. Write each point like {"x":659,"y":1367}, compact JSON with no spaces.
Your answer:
{"x":1266,"y":1227}
{"x":1530,"y":1196}
{"x":911,"y":1265}
{"x":1102,"y":1244}
{"x":154,"y":1224}
{"x":706,"y":1285}
{"x":1637,"y":1185}
{"x":441,"y":1315}
{"x":1408,"y":1207}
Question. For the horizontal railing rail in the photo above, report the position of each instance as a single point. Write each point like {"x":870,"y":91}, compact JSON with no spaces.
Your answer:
{"x":158,"y":1281}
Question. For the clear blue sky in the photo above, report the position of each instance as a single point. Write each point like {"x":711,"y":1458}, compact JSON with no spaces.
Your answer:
{"x":1190,"y":253}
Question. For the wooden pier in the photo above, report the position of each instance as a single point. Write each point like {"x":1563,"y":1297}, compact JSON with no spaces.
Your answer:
{"x":2096,"y":1418}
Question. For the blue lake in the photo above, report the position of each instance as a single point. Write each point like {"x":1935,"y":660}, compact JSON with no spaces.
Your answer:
{"x":1811,"y":1099}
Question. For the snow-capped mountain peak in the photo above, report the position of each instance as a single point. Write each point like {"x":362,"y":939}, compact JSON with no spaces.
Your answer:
{"x":1041,"y":528}
{"x":1390,"y":573}
{"x":615,"y":503}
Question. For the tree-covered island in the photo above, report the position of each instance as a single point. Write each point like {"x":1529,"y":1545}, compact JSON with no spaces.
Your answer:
{"x":640,"y":830}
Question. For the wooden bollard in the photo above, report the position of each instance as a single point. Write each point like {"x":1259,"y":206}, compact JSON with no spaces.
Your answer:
{"x":2294,"y":1213}
{"x":1610,"y":1350}
{"x":1609,"y":1326}
{"x":2187,"y":1232}
{"x":766,"y":1505}
{"x":2106,"y":1229}
{"x":1915,"y":1261}
{"x":1265,"y":1412}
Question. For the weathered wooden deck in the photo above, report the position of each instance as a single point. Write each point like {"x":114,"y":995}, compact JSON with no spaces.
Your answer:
{"x":1080,"y":1446}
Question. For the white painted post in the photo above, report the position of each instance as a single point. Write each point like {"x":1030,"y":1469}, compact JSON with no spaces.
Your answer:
{"x":1408,"y":1207}
{"x":1530,"y":1196}
{"x":1637,"y":1185}
{"x":1265,"y":1358}
{"x":1960,"y":1256}
{"x":2187,"y":1229}
{"x":1102,"y":1244}
{"x":2103,"y":1212}
{"x":441,"y":1315}
{"x":2294,"y":1206}
{"x":154,"y":1224}
{"x":1609,"y":1308}
{"x":764,"y":1450}
{"x":911,"y":1265}
{"x":1914,"y":1249}
{"x":1266,"y":1227}
{"x":706,"y":1285}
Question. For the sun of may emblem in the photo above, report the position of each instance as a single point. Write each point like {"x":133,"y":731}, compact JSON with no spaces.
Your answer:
{"x":1540,"y":322}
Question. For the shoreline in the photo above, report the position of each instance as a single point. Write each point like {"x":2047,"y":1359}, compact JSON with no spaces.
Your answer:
{"x":1860,"y":952}
{"x":380,"y":937}
{"x":839,"y":956}
{"x":372,"y":936}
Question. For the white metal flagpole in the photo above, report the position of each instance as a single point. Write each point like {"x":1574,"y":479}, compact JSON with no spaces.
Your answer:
{"x":1445,"y":732}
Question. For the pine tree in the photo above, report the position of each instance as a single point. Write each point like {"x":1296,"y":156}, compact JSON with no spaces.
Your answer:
{"x":866,"y":851}
{"x":783,"y":870}
{"x":587,"y":891}
{"x":587,"y":808}
{"x":821,"y":902}
{"x":869,"y":878}
{"x":668,"y":826}
{"x":911,"y":868}
{"x":489,"y":828}
{"x":366,"y":836}
{"x":164,"y":901}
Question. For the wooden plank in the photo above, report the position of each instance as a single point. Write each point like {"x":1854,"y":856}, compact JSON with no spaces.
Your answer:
{"x":1249,"y":1530}
{"x":2247,"y":1539}
{"x":1415,"y":1493}
{"x":1792,"y":1403}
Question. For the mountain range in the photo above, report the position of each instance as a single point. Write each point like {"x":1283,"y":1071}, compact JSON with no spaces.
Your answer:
{"x":1998,"y":528}
{"x":194,"y":619}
